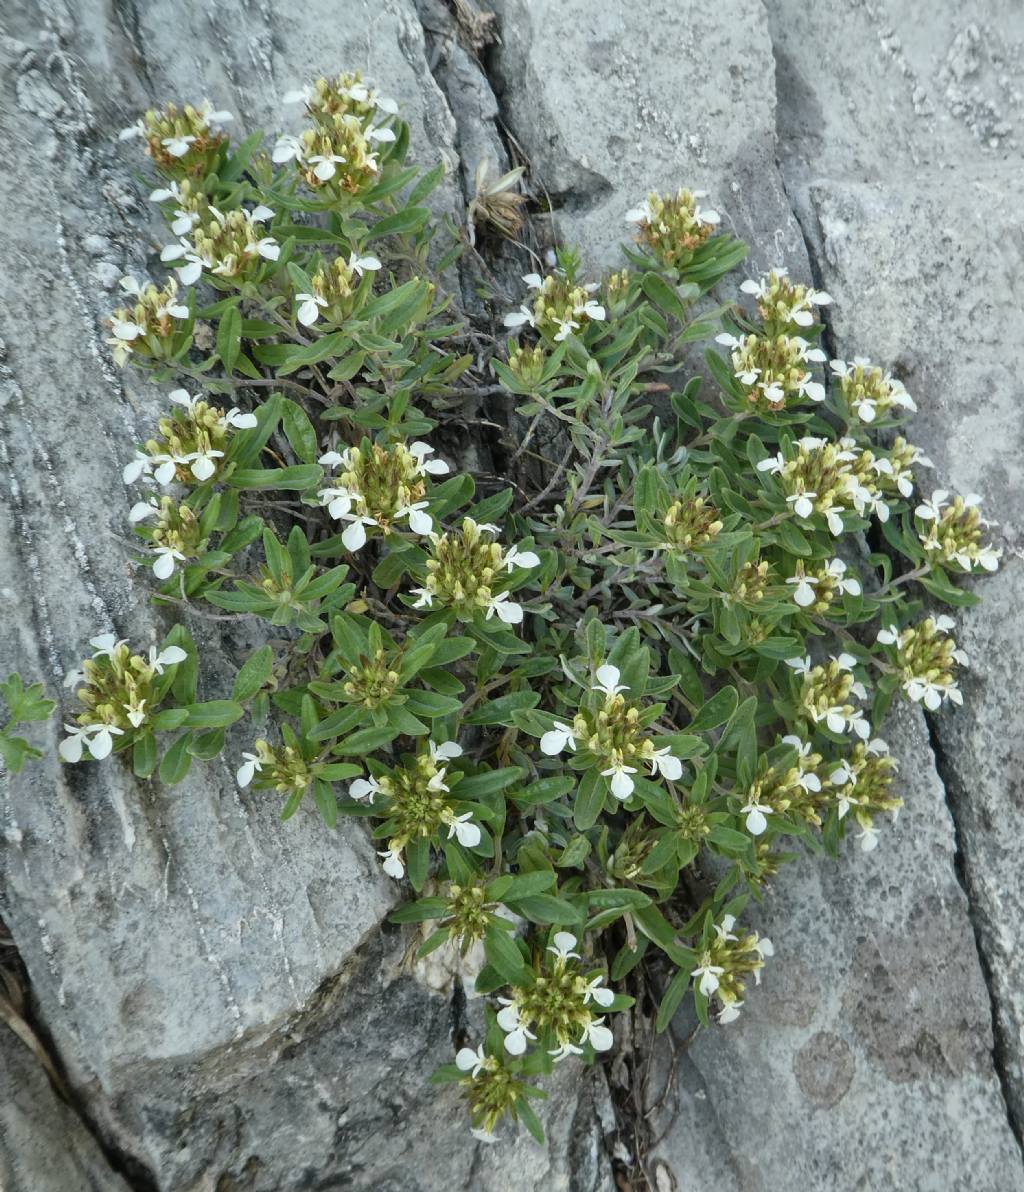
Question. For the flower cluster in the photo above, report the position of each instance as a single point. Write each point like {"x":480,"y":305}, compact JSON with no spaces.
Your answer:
{"x":148,"y":327}
{"x":867,"y":392}
{"x":773,"y":369}
{"x":280,"y":768}
{"x":614,"y":734}
{"x":953,"y":531}
{"x":190,"y":444}
{"x":674,"y":227}
{"x":335,"y":289}
{"x":691,"y":523}
{"x":176,"y":536}
{"x":228,"y":245}
{"x":862,"y":782}
{"x":561,"y":1005}
{"x":467,"y":573}
{"x":825,"y":692}
{"x":116,"y":690}
{"x":926,"y":658}
{"x":560,"y":307}
{"x":725,"y":960}
{"x":182,"y":142}
{"x":782,"y":305}
{"x":416,"y":801}
{"x":376,"y":487}
{"x":795,"y":790}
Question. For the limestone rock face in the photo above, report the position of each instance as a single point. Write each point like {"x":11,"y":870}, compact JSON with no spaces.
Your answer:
{"x":217,"y":985}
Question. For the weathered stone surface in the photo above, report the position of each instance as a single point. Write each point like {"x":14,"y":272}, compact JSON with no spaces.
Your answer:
{"x":864,"y":1059}
{"x":610,"y":102}
{"x":43,"y":1145}
{"x":925,"y":184}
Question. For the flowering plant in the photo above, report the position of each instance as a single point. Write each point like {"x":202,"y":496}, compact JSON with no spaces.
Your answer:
{"x":658,"y":647}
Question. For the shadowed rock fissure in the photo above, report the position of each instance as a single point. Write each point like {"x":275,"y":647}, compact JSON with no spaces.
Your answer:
{"x":1001,"y":1044}
{"x":952,"y":789}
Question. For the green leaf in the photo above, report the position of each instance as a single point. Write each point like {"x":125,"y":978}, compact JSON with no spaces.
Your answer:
{"x":229,"y":337}
{"x":671,"y":998}
{"x":366,"y":740}
{"x":544,"y":908}
{"x":299,"y":431}
{"x":326,"y":801}
{"x":499,"y":711}
{"x":503,"y":954}
{"x":419,"y":911}
{"x":411,"y":219}
{"x":716,"y":711}
{"x":175,"y":763}
{"x":255,"y":672}
{"x":589,"y":799}
{"x":299,"y":477}
{"x":217,"y":713}
{"x":476,"y":786}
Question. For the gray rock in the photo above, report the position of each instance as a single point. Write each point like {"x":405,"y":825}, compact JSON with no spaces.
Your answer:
{"x":43,"y":1145}
{"x":864,"y":1058}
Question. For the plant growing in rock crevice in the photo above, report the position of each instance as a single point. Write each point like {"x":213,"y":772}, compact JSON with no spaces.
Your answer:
{"x":549,"y":701}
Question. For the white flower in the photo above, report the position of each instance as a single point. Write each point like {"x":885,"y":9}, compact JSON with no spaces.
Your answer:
{"x":138,"y":129}
{"x":724,"y":930}
{"x":837,"y":570}
{"x":932,"y":510}
{"x":268,"y":248}
{"x":834,"y":520}
{"x":599,"y":1037}
{"x":464,"y":830}
{"x":803,"y":503}
{"x":855,"y":720}
{"x":514,"y":557}
{"x":354,"y":538}
{"x":309,"y":308}
{"x":534,"y":281}
{"x":325,"y":169}
{"x":137,"y":714}
{"x":393,"y":865}
{"x":931,"y":694}
{"x":286,"y":148}
{"x":298,"y":95}
{"x":765,"y":948}
{"x":337,"y":500}
{"x":166,"y":556}
{"x":598,"y":993}
{"x":774,"y":464}
{"x":471,"y":1061}
{"x":235,"y":418}
{"x":420,"y":451}
{"x":665,"y":763}
{"x":507,"y":610}
{"x":592,"y":309}
{"x":437,"y":783}
{"x":424,"y":597}
{"x":888,"y":636}
{"x":178,"y":146}
{"x":868,"y":838}
{"x":516,"y":1033}
{"x":248,"y":769}
{"x":383,"y":135}
{"x":364,"y":788}
{"x":563,"y":944}
{"x":621,"y":784}
{"x":331,"y":459}
{"x":565,"y":328}
{"x":708,"y":974}
{"x":641,"y":214}
{"x":803,"y":593}
{"x":517,"y":318}
{"x":729,"y":1013}
{"x":419,"y":522}
{"x":97,"y":738}
{"x":260,"y":214}
{"x":168,"y":656}
{"x":74,"y":677}
{"x":106,"y":644}
{"x":203,"y":465}
{"x":564,"y":1051}
{"x":802,"y":666}
{"x":361,"y":264}
{"x":556,"y":739}
{"x":141,"y":510}
{"x":125,"y":330}
{"x":445,"y":750}
{"x":756,"y":820}
{"x":608,"y":680}
{"x":188,"y":274}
